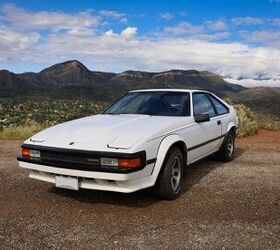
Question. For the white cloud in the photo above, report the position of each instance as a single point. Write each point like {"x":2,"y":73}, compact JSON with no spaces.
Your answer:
{"x":234,"y":60}
{"x":211,"y":37}
{"x":112,"y":14}
{"x":269,"y":37}
{"x":216,"y":25}
{"x":124,"y":20}
{"x":248,"y":21}
{"x":115,"y":15}
{"x":17,"y":40}
{"x":13,"y":45}
{"x":129,"y":32}
{"x":210,"y":30}
{"x":56,"y":21}
{"x":186,"y":46}
{"x":183,"y":28}
{"x":251,"y":83}
{"x":276,"y":21}
{"x":166,"y":16}
{"x":128,"y":51}
{"x":110,"y":33}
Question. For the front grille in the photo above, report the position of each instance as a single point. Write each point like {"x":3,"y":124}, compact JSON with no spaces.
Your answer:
{"x":79,"y":161}
{"x":66,"y":157}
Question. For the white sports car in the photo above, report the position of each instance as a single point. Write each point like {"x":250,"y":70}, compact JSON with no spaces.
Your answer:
{"x":148,"y":138}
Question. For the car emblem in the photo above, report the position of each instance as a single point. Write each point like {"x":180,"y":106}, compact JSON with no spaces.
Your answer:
{"x":93,"y":160}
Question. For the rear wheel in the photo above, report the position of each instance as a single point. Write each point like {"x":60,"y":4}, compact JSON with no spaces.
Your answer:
{"x":169,"y":181}
{"x":226,"y":151}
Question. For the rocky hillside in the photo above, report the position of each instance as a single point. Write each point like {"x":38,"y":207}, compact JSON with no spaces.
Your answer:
{"x":73,"y":79}
{"x":261,"y":100}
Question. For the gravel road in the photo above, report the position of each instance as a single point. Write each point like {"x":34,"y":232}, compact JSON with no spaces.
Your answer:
{"x":233,"y":205}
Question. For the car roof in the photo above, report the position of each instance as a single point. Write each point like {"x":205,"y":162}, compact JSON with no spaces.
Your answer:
{"x":169,"y":90}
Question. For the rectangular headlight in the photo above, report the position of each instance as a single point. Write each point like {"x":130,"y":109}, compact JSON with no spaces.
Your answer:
{"x":35,"y":154}
{"x":109,"y":162}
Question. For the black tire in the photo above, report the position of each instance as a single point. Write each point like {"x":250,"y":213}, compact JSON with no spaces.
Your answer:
{"x":226,"y":151}
{"x":169,"y":182}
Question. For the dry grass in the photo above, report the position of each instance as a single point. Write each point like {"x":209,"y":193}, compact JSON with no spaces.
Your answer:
{"x":20,"y":132}
{"x":268,"y":122}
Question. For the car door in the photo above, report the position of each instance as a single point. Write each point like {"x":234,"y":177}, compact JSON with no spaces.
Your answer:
{"x":206,"y":136}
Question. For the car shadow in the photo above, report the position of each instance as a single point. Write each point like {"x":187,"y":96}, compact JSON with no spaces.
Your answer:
{"x":143,"y":198}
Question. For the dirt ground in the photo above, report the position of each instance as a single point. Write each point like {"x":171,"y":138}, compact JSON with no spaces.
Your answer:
{"x":233,"y":205}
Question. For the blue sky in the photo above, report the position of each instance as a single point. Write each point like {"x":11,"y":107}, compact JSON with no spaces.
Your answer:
{"x":238,"y":39}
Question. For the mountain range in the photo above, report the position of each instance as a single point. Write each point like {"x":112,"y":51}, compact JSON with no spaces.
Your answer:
{"x":72,"y":79}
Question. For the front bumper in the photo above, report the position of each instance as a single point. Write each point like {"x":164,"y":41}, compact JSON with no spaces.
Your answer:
{"x":117,"y":182}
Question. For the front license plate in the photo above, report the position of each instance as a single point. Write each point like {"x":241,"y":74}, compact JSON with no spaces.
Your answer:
{"x":67,"y":182}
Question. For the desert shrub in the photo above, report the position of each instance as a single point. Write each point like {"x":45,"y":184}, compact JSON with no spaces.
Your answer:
{"x":250,"y":122}
{"x":268,"y":122}
{"x":17,"y":111}
{"x":20,"y":131}
{"x":247,"y":121}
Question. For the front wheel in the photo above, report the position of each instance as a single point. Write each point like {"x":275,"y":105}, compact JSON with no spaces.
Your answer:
{"x":169,"y":181}
{"x":226,"y":151}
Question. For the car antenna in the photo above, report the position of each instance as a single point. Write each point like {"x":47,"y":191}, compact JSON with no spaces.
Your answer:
{"x":166,"y":84}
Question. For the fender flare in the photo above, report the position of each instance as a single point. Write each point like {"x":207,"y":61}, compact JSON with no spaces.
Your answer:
{"x":230,"y":126}
{"x":164,"y":146}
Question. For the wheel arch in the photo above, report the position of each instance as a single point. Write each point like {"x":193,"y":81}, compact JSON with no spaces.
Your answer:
{"x":231,"y":126}
{"x":165,"y":146}
{"x":182,"y":146}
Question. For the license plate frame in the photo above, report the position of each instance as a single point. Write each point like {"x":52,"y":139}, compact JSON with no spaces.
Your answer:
{"x":67,"y":182}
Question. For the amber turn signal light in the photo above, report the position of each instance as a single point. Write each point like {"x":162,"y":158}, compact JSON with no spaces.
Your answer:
{"x":25,"y":152}
{"x":130,"y":163}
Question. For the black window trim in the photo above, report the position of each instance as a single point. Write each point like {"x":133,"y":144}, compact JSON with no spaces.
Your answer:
{"x":216,"y":111}
{"x":205,"y":93}
{"x":113,"y":103}
{"x":214,"y":107}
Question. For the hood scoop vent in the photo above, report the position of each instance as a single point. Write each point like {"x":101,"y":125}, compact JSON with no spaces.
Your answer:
{"x":38,"y":139}
{"x":122,"y":142}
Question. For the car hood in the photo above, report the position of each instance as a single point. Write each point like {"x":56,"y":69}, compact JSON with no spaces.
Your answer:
{"x":102,"y":132}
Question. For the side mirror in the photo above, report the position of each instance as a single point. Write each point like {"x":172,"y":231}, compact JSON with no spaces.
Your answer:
{"x":202,"y":118}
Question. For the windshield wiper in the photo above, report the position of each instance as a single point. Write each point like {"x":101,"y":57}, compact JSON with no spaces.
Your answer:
{"x":111,"y":113}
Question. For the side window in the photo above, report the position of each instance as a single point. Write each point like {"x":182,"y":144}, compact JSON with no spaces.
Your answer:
{"x":180,"y":102}
{"x":220,"y":107}
{"x":202,"y":105}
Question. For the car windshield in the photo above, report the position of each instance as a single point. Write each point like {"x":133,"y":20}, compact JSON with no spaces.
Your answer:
{"x":153,"y":103}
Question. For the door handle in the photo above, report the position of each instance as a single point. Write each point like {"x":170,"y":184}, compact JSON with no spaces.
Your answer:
{"x":219,"y":122}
